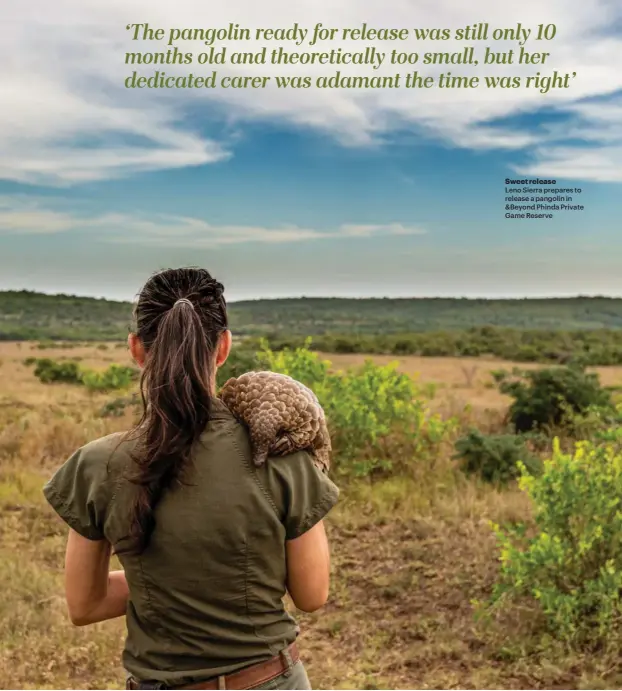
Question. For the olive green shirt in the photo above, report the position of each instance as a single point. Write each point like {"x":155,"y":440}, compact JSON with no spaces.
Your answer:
{"x":206,"y":595}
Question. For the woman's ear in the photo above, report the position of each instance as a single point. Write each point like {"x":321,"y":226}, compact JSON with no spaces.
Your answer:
{"x":136,"y":349}
{"x":224,"y":348}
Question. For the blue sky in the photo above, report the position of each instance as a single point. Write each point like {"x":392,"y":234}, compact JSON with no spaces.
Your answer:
{"x":304,"y":193}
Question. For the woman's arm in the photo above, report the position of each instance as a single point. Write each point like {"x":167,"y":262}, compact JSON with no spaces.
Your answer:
{"x":308,"y":569}
{"x":93,"y":593}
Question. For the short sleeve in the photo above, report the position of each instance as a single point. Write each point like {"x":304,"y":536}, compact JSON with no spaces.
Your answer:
{"x":303,"y":493}
{"x":79,"y":492}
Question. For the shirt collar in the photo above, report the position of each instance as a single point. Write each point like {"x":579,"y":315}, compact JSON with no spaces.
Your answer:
{"x":219,"y":410}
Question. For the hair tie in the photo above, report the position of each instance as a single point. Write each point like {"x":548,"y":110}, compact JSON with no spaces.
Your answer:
{"x":183,"y":300}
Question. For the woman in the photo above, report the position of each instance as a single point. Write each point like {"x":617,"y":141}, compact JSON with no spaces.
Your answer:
{"x":209,"y":543}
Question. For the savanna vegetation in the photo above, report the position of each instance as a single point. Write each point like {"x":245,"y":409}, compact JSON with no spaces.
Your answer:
{"x":586,"y":347}
{"x":584,"y":331}
{"x":537,"y":330}
{"x":476,"y":543}
{"x":27,"y":314}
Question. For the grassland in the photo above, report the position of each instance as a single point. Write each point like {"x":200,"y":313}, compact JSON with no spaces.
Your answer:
{"x":580,"y":330}
{"x":410,"y":557}
{"x":29,"y":315}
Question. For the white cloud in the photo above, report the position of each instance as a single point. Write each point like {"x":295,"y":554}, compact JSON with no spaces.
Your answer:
{"x":67,"y":118}
{"x":365,"y":231}
{"x":599,"y":125}
{"x":25,"y":217}
{"x":601,"y":165}
{"x":19,"y":215}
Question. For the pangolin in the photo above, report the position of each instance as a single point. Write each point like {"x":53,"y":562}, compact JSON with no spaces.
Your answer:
{"x":282,"y":415}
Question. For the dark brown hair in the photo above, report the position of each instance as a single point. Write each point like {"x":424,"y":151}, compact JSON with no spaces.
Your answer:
{"x":180,"y":316}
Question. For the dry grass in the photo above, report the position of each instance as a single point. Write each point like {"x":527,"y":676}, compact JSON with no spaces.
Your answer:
{"x":462,"y":381}
{"x":408,"y":562}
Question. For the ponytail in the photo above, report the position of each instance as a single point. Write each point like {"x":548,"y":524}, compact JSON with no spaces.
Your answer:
{"x":177,"y":386}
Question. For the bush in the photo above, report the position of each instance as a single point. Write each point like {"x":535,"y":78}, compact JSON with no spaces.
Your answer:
{"x":118,"y":406}
{"x":300,"y":363}
{"x":374,"y":414}
{"x":597,"y":424}
{"x":49,"y":371}
{"x":69,"y":372}
{"x":494,"y":458}
{"x":572,"y":567}
{"x":115,"y":377}
{"x":551,"y":397}
{"x":240,"y":360}
{"x":46,"y":345}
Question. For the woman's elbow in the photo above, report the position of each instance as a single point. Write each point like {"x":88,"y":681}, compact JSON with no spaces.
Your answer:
{"x":79,"y":616}
{"x":311,"y":602}
{"x":79,"y":619}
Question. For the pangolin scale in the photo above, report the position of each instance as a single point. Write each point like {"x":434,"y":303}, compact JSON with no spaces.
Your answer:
{"x":281,"y":414}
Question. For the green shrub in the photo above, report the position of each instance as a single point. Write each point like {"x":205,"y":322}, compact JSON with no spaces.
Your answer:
{"x":494,"y":457}
{"x":118,"y":406}
{"x":114,"y":377}
{"x":300,"y":363}
{"x":240,"y":360}
{"x":571,"y":568}
{"x":551,"y":397}
{"x":375,"y":416}
{"x":69,"y":372}
{"x":46,"y":345}
{"x":49,"y":371}
{"x":527,"y":353}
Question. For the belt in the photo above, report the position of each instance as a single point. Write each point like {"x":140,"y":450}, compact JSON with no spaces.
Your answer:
{"x":247,"y":678}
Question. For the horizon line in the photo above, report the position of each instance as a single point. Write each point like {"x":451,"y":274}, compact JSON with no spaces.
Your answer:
{"x":507,"y":297}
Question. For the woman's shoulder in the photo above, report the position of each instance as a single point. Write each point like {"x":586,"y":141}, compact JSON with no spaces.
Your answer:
{"x":108,"y":454}
{"x":297,"y":462}
{"x":81,"y":490}
{"x":303,"y":492}
{"x":96,"y":462}
{"x":116,"y":444}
